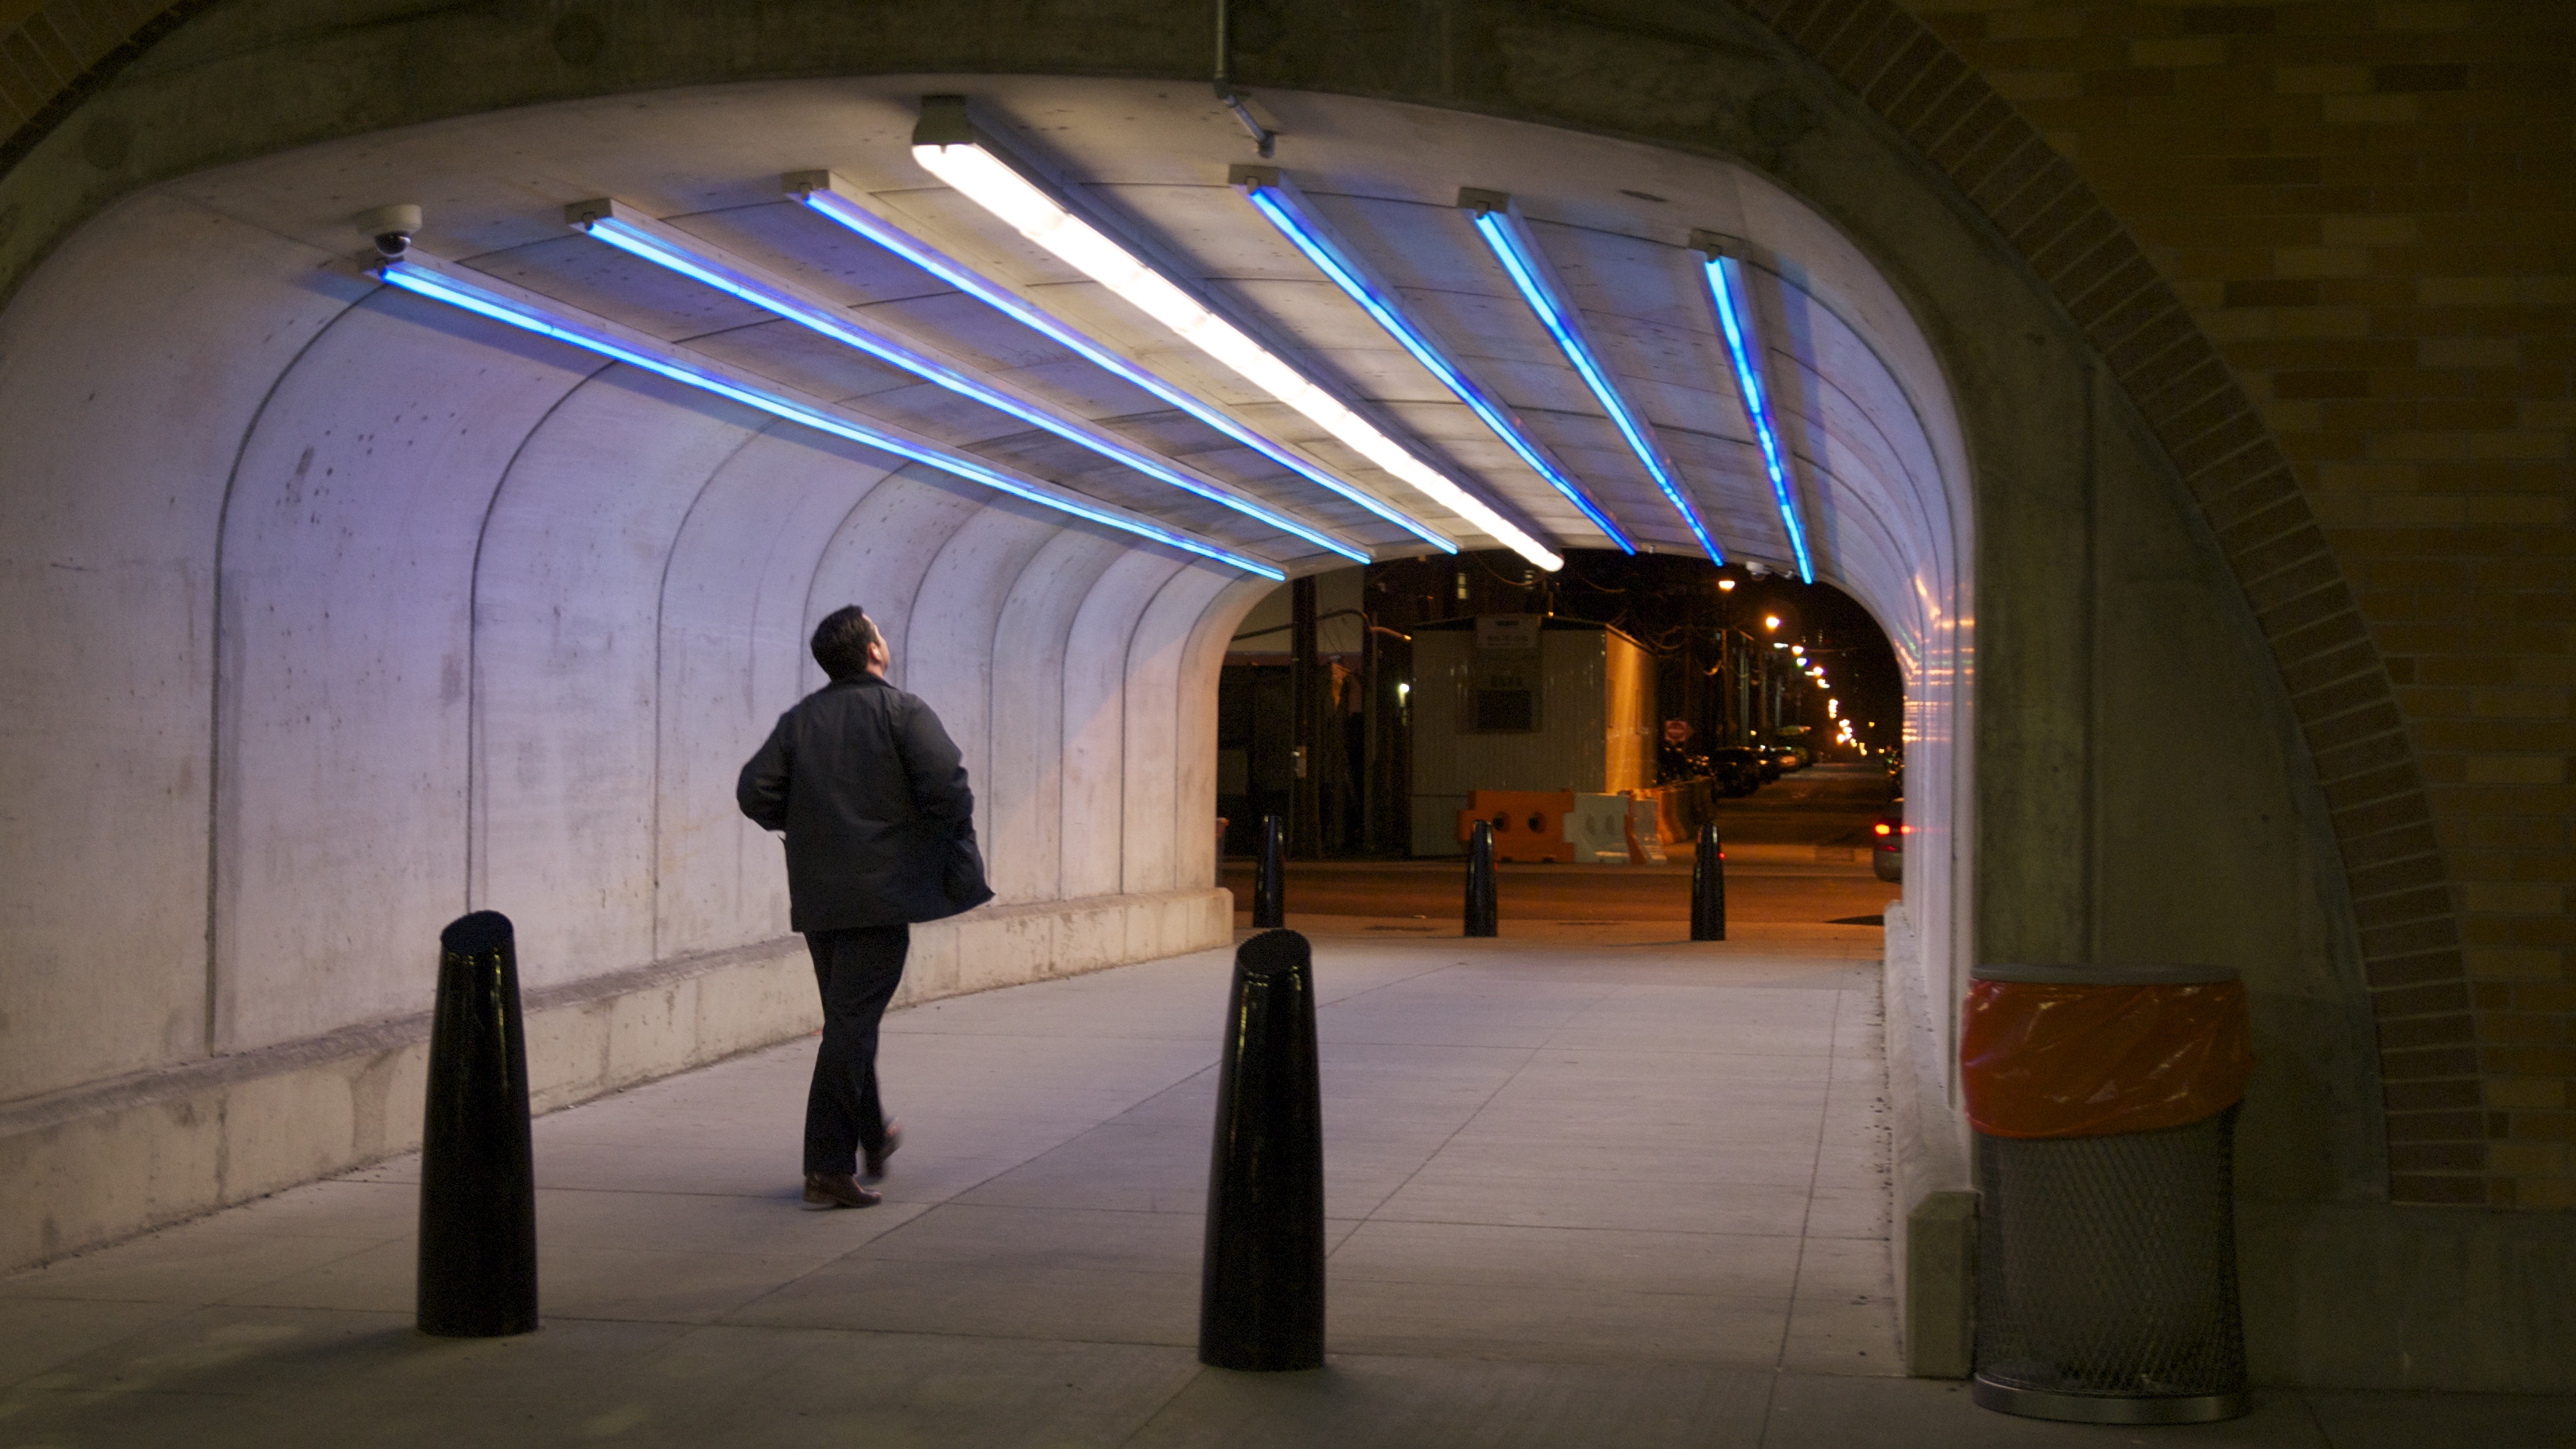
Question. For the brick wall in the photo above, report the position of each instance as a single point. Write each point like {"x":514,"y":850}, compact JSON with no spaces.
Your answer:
{"x":2330,"y":249}
{"x":52,"y":51}
{"x":2369,"y":211}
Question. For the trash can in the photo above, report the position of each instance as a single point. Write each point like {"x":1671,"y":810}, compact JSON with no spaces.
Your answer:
{"x":2104,"y":1102}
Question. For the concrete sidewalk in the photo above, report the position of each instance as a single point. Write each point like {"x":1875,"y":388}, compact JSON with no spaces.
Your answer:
{"x":1582,"y":1193}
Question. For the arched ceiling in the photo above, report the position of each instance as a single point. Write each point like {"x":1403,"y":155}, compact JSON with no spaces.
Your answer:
{"x":1877,"y":460}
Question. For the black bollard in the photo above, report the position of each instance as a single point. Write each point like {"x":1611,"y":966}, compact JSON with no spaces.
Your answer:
{"x":1708,"y":886}
{"x":1269,"y":879}
{"x":1482,"y":906}
{"x":478,"y":1178}
{"x":1261,"y":1293}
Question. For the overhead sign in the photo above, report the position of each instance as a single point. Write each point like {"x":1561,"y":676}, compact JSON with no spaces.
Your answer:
{"x":1507,"y":631}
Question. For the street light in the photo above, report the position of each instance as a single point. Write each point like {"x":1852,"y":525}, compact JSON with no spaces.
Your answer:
{"x":1770,"y":621}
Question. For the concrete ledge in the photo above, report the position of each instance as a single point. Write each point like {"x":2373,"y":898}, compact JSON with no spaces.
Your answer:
{"x":1939,"y":1286}
{"x":1935,"y":1217}
{"x":1758,"y":853}
{"x":2375,"y":1296}
{"x":103,"y":1161}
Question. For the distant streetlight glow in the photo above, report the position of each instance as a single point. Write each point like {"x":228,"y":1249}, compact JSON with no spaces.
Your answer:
{"x":1726,"y":586}
{"x":1770,"y":621}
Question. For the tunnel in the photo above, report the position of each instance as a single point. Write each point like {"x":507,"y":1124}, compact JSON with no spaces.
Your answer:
{"x":361,"y":583}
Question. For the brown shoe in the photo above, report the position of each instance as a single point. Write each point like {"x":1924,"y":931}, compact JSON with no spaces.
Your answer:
{"x":872,"y":1168}
{"x":838,"y":1190}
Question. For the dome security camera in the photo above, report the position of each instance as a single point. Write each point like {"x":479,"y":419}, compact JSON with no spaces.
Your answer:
{"x":391,"y":228}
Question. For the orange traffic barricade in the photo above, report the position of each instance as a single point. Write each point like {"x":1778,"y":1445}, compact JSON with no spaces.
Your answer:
{"x":1528,"y":824}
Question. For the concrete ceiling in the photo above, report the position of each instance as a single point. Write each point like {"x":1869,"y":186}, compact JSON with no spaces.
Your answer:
{"x":1880,"y":466}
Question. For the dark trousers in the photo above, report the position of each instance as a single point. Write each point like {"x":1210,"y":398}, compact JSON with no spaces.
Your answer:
{"x":858,"y":970}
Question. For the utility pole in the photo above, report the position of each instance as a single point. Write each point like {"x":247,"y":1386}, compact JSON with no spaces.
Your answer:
{"x":1305,"y":690}
{"x":1371,"y":788}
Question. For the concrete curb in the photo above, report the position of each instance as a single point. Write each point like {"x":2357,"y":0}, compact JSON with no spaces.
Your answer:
{"x":92,"y":1164}
{"x":1934,"y":1222}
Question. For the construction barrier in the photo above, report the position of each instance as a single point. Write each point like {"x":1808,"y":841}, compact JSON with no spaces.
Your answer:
{"x":1529,"y":825}
{"x":1631,"y":827}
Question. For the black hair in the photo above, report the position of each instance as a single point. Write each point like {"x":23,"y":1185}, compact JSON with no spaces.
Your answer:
{"x":841,"y":642}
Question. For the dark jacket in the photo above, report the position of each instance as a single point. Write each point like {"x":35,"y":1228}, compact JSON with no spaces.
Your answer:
{"x":872,"y":794}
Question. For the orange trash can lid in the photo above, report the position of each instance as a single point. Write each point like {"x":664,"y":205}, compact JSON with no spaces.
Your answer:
{"x":2087,"y":1051}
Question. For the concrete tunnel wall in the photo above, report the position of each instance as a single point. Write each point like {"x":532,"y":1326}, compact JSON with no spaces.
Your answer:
{"x":340,"y":615}
{"x":2140,"y":784}
{"x":618,"y":551}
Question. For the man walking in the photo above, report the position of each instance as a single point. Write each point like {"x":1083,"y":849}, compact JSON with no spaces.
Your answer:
{"x":880,"y":833}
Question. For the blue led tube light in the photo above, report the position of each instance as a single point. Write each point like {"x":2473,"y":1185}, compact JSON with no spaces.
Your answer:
{"x":1048,"y":212}
{"x":1494,"y":222}
{"x":1735,"y":318}
{"x":1296,"y":221}
{"x":815,"y":192}
{"x":439,"y":284}
{"x":605,"y":222}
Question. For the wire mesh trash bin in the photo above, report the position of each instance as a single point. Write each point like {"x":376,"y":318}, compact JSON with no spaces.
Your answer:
{"x":2104,"y":1101}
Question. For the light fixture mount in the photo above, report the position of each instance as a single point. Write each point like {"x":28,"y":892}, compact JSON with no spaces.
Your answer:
{"x":1504,"y":230}
{"x":649,"y":239}
{"x":1724,"y":271}
{"x":945,"y":121}
{"x":500,"y":301}
{"x":852,"y":208}
{"x":1021,"y":196}
{"x":1285,"y":207}
{"x":391,"y":228}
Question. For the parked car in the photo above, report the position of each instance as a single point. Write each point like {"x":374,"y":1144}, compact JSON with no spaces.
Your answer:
{"x":1788,"y":757}
{"x":1800,"y":741}
{"x":1887,"y":843}
{"x":1736,"y":769}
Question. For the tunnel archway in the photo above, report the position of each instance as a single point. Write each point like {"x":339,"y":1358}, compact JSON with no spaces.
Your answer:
{"x":588,"y":544}
{"x":275,"y":340}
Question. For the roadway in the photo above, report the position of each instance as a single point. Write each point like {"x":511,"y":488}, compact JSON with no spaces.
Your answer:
{"x":1797,"y":854}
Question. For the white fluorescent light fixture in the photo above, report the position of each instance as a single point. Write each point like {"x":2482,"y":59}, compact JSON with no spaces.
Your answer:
{"x":949,"y":148}
{"x":503,"y":303}
{"x":818,"y":192}
{"x":1735,"y":317}
{"x":627,"y":230}
{"x":1278,"y":199}
{"x":1500,"y":224}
